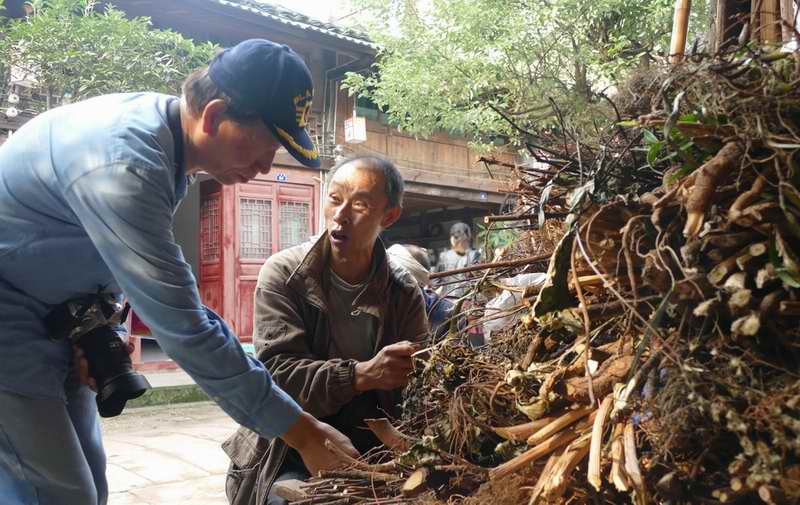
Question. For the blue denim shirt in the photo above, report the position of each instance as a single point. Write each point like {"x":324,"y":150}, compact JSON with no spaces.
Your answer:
{"x":87,"y":196}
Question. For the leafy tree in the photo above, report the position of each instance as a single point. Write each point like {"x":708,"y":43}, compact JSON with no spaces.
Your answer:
{"x":75,"y":49}
{"x":476,"y":66}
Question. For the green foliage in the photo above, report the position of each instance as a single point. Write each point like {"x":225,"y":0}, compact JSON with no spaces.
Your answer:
{"x":71,"y":49}
{"x":493,"y":239}
{"x":461,"y":65}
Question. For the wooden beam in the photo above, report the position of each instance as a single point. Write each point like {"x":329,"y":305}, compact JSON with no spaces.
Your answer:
{"x":452,"y":193}
{"x":466,"y":214}
{"x":448,"y":179}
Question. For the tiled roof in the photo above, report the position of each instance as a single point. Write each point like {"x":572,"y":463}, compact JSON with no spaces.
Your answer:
{"x":295,"y":19}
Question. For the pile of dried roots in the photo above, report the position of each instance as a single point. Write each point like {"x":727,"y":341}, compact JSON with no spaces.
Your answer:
{"x":659,"y":361}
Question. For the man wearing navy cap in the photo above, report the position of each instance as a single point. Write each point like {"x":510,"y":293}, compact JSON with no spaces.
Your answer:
{"x":87,"y":196}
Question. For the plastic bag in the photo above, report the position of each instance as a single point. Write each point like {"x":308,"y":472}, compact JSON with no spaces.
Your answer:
{"x":507,"y":300}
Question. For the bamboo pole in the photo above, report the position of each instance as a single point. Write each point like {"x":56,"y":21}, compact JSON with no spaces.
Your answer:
{"x":680,"y":27}
{"x":770,"y":20}
{"x":755,"y":20}
{"x":789,"y":20}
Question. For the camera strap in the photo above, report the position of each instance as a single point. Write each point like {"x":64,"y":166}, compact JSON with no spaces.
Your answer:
{"x":174,"y":121}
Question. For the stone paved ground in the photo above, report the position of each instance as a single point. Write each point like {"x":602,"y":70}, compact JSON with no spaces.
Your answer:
{"x":168,"y":454}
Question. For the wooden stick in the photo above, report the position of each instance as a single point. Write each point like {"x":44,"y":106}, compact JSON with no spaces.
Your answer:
{"x":539,"y":451}
{"x":735,"y":282}
{"x":566,"y":463}
{"x":359,"y":474}
{"x":361,"y":465}
{"x":544,"y":477}
{"x":631,"y":461}
{"x":747,"y":325}
{"x":680,"y":26}
{"x":595,"y":449}
{"x":290,"y":490}
{"x":558,"y":424}
{"x":495,"y":219}
{"x":722,"y":270}
{"x":416,"y":483}
{"x":487,"y":266}
{"x":748,"y":261}
{"x":521,"y":432}
{"x":771,"y":494}
{"x":618,"y":477}
{"x":728,"y":240}
{"x":739,"y":301}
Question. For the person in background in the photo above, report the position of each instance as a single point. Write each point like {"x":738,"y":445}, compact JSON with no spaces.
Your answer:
{"x":460,"y":255}
{"x":415,"y":260}
{"x":456,"y":287}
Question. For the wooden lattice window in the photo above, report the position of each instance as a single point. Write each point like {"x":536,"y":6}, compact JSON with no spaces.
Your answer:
{"x":294,"y":222}
{"x":255,"y":238}
{"x":210,"y":229}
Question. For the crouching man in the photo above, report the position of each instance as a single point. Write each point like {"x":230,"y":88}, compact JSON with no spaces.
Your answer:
{"x":336,"y":325}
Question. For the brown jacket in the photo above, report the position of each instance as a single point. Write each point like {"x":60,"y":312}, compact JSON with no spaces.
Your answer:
{"x":292,"y":338}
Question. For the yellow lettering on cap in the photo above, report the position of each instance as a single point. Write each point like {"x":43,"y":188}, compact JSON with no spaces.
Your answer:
{"x":308,"y":153}
{"x":302,"y":108}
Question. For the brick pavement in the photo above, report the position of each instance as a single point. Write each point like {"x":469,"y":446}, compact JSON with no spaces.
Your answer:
{"x":167,"y":454}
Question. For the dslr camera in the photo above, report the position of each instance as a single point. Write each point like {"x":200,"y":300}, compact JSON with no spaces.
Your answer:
{"x":93,"y":323}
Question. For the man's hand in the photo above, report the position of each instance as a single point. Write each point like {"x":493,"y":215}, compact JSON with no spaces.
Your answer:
{"x":388,"y":370}
{"x":307,"y":436}
{"x":82,"y":366}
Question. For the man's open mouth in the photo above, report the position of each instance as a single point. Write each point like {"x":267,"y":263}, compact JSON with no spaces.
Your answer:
{"x":338,"y":236}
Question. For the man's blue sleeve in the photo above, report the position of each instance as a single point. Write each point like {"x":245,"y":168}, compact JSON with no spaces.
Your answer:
{"x":127,"y":213}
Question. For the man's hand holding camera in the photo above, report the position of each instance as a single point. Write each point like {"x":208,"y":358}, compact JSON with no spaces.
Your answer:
{"x":82,"y":366}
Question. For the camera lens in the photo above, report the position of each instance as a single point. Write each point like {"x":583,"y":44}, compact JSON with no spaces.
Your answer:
{"x":111,"y":367}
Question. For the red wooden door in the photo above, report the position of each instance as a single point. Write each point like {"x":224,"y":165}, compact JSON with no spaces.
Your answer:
{"x":256,"y":240}
{"x":271,"y":217}
{"x":211,"y":251}
{"x":240,"y":227}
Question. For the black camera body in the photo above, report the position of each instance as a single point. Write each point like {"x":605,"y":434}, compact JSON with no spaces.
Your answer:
{"x":90,"y":323}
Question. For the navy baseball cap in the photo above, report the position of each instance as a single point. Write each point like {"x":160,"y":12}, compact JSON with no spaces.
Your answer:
{"x":273,"y":81}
